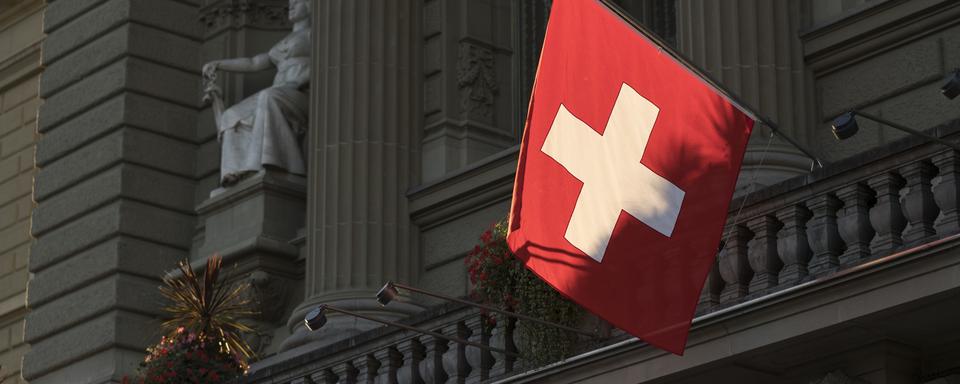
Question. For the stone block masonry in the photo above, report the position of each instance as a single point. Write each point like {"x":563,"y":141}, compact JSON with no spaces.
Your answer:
{"x":115,"y":183}
{"x":20,"y":37}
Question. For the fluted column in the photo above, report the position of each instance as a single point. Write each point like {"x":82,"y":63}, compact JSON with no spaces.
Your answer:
{"x":363,"y":158}
{"x":753,"y":49}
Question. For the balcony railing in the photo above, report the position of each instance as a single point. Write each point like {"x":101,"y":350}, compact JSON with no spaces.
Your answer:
{"x":387,"y":355}
{"x":882,"y":202}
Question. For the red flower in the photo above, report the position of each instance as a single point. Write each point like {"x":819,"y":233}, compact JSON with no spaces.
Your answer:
{"x":486,"y":236}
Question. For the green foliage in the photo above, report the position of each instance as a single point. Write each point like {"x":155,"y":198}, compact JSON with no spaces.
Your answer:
{"x":501,"y":279}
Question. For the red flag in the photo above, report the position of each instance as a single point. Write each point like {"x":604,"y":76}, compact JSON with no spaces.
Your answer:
{"x":626,"y":171}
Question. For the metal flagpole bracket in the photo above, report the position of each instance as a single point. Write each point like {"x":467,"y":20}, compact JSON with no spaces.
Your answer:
{"x":663,"y":46}
{"x":389,"y":292}
{"x":316,"y":318}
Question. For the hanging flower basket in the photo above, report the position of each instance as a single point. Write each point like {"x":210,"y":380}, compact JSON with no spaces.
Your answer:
{"x":499,"y":278}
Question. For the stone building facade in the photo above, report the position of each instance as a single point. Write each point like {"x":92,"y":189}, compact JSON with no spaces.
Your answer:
{"x":21,"y":35}
{"x":847,"y":274}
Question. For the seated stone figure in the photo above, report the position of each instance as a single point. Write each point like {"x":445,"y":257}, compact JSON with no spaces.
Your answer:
{"x":266,"y":128}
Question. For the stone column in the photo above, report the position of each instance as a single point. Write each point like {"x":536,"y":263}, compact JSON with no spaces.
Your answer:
{"x":753,"y":49}
{"x":363,"y":154}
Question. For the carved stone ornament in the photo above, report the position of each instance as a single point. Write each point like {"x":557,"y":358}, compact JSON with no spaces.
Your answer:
{"x":838,"y":377}
{"x":237,"y":13}
{"x":269,"y":295}
{"x":477,"y":79}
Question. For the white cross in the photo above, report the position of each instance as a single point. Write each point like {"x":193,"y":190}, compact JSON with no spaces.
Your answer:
{"x":613,"y":178}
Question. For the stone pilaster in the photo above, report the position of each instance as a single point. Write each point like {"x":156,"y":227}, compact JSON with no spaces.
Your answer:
{"x":363,"y":151}
{"x":116,"y":183}
{"x":469,"y":110}
{"x":753,"y":49}
{"x":21,"y":30}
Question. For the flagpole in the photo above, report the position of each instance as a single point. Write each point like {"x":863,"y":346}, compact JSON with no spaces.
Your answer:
{"x":662,"y":45}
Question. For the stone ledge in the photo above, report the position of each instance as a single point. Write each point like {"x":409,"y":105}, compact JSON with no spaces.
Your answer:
{"x":282,"y":182}
{"x":483,"y":183}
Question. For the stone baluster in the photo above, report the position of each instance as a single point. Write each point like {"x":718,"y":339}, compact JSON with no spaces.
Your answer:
{"x":480,"y":360}
{"x":886,"y":216}
{"x":710,"y":295}
{"x":792,"y":243}
{"x":501,"y":336}
{"x":734,"y":267}
{"x":345,"y":373}
{"x":432,"y":367}
{"x":762,"y":254}
{"x":824,"y":236}
{"x":367,"y":367}
{"x":854,"y":222}
{"x":389,"y":359}
{"x":916,"y":199}
{"x":945,"y":193}
{"x":410,"y":357}
{"x":455,"y":362}
{"x":324,"y":376}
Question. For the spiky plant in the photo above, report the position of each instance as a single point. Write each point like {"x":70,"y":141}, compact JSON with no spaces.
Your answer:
{"x":207,"y":307}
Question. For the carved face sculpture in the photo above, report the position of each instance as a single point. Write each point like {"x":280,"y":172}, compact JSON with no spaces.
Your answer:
{"x":299,"y":10}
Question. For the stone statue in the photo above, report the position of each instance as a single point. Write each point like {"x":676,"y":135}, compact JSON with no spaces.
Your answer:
{"x":266,"y":128}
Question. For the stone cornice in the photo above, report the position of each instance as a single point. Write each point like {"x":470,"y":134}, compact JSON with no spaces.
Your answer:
{"x":875,"y":30}
{"x":477,"y":186}
{"x":22,"y":8}
{"x":21,"y":65}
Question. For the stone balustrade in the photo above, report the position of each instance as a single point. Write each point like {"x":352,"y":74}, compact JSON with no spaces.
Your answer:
{"x":851,"y":212}
{"x":801,"y":230}
{"x":386,"y":355}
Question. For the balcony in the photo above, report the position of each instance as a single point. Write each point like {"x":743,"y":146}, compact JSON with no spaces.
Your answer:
{"x":868,"y":225}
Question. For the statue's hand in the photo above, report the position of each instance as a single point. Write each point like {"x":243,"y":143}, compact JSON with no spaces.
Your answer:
{"x":210,"y":69}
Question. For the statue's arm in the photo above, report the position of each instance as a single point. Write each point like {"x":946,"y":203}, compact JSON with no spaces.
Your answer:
{"x":257,"y":63}
{"x":303,"y":77}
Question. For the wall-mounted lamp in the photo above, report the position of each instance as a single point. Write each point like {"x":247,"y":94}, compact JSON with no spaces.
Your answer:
{"x":389,"y":292}
{"x":846,"y":126}
{"x":316,"y":318}
{"x":951,"y":88}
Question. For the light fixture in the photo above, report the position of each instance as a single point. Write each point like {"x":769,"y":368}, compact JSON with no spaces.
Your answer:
{"x":951,"y":88}
{"x":390,"y":292}
{"x":387,"y":293}
{"x":317,"y":318}
{"x":845,"y":126}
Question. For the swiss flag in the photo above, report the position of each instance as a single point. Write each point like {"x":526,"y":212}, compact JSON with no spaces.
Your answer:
{"x":626,"y":171}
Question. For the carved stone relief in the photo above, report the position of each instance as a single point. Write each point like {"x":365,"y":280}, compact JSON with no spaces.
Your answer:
{"x":477,"y":80}
{"x":237,"y":13}
{"x":269,"y":295}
